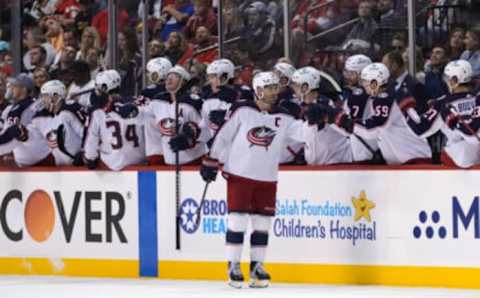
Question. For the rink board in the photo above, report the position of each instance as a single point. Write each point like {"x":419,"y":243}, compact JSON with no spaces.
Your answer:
{"x":343,"y":225}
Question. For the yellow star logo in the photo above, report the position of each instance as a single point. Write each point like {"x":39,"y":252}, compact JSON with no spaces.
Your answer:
{"x":362,"y":207}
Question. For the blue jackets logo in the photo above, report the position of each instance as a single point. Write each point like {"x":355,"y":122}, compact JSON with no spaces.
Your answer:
{"x":462,"y":221}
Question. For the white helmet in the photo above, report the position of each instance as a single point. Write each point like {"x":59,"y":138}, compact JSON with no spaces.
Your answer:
{"x":263,"y":79}
{"x":108,"y":80}
{"x":286,"y":70}
{"x":459,"y":69}
{"x":376,"y":72}
{"x":307,"y":76}
{"x":357,"y":63}
{"x":222,"y":67}
{"x":54,"y":87}
{"x":157,"y":69}
{"x":181,"y":71}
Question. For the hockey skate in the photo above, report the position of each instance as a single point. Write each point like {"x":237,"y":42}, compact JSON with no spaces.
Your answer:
{"x":235,"y":275}
{"x":259,"y":277}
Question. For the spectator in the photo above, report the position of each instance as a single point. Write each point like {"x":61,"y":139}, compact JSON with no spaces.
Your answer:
{"x":179,"y":50}
{"x":156,"y":48}
{"x":399,"y":42}
{"x":472,"y":51}
{"x":204,"y":39}
{"x":6,"y":63}
{"x":90,"y":39}
{"x":198,"y":72}
{"x":231,"y":20}
{"x":66,"y":61}
{"x":129,"y":61}
{"x":203,"y":16}
{"x":94,"y":61}
{"x":419,"y":64}
{"x":38,"y":57}
{"x":400,"y":78}
{"x":259,"y":33}
{"x":389,"y":16}
{"x":40,"y":77}
{"x":100,"y":22}
{"x":434,"y":84}
{"x":82,"y":84}
{"x":455,"y":44}
{"x":174,"y":17}
{"x":366,"y":26}
{"x":54,"y":34}
{"x":69,"y":39}
{"x":35,"y":37}
{"x":3,"y":89}
{"x":41,"y":8}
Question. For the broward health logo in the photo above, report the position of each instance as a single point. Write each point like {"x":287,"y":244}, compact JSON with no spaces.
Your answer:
{"x":461,"y":221}
{"x":311,"y":219}
{"x":188,"y":215}
{"x":213,"y":220}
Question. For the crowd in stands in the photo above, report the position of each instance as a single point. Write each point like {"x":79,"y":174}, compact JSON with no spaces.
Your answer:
{"x":66,"y":40}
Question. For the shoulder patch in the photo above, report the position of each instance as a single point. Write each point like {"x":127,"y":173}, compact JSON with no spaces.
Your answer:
{"x":357,"y":91}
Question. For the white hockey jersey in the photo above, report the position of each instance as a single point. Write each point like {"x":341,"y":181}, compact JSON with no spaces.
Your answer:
{"x":388,"y":127}
{"x":116,"y":136}
{"x":71,"y":120}
{"x":461,"y":146}
{"x":163,"y":110}
{"x":255,"y":140}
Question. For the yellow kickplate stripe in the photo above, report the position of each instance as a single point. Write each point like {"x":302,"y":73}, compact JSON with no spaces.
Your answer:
{"x":69,"y":267}
{"x":334,"y":274}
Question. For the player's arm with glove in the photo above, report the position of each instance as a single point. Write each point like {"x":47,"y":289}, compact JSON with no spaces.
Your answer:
{"x":187,"y":138}
{"x":209,"y":169}
{"x":10,"y":138}
{"x":316,"y":114}
{"x":217,"y":117}
{"x":340,"y":118}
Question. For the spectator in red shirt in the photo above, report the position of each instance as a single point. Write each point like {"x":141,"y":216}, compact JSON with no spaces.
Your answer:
{"x":203,"y":16}
{"x":100,"y":21}
{"x":204,"y":39}
{"x":179,"y":51}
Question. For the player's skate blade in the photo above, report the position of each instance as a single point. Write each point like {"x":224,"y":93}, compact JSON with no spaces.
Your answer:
{"x":259,"y":283}
{"x":235,"y":275}
{"x":235,"y":284}
{"x":259,"y":277}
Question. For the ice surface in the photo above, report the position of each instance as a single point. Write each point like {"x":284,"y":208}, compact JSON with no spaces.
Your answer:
{"x":58,"y":287}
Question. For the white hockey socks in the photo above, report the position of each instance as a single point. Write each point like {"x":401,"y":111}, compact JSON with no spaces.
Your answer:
{"x":259,"y":237}
{"x":237,"y":225}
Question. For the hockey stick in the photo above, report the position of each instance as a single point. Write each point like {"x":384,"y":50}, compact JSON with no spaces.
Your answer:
{"x":61,"y":142}
{"x":202,"y":200}
{"x":177,"y":182}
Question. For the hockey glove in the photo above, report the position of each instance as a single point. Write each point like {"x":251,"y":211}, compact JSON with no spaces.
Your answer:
{"x":217,"y":117}
{"x":18,"y":132}
{"x":209,"y":169}
{"x":91,"y":164}
{"x":316,"y":114}
{"x":187,"y":137}
{"x":340,"y":118}
{"x":78,"y":160}
{"x":436,"y":104}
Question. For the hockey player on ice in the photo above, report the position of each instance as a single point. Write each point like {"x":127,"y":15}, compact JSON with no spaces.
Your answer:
{"x":254,"y":135}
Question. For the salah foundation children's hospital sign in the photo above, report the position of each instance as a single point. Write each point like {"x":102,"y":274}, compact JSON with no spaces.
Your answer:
{"x":414,"y":227}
